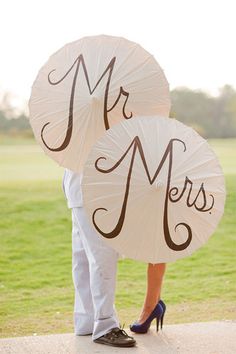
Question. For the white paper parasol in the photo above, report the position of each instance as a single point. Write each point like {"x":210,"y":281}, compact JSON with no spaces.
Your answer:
{"x":153,"y":189}
{"x":88,"y":86}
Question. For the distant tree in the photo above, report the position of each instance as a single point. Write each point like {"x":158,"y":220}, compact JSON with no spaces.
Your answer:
{"x":224,"y":114}
{"x":212,"y":117}
{"x":13,"y":121}
{"x":194,"y":108}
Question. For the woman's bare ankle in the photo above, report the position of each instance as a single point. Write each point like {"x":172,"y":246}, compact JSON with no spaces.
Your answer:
{"x":146,"y":311}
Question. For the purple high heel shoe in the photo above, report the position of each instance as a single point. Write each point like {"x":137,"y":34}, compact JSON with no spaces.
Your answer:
{"x":157,"y":313}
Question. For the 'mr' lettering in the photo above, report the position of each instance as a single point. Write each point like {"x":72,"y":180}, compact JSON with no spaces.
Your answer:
{"x":77,"y":63}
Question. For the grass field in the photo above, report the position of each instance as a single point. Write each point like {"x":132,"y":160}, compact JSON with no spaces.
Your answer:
{"x":36,"y":293}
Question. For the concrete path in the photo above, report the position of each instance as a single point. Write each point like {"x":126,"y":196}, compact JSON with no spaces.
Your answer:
{"x":192,"y":338}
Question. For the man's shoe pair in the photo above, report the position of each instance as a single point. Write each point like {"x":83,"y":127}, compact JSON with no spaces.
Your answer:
{"x":117,"y":337}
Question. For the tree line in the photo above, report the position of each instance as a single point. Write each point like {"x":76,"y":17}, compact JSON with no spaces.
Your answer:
{"x":210,"y":116}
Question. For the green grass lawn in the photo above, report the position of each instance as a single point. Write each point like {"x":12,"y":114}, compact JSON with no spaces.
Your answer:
{"x":36,"y":292}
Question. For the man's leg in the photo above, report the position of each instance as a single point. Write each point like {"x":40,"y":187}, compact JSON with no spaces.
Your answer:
{"x":102,"y":266}
{"x":83,"y":306}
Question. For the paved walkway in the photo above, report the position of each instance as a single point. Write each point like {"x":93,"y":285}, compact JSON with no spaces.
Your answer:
{"x":192,"y":338}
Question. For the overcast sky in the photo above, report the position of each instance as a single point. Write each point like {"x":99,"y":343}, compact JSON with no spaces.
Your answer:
{"x":193,"y":40}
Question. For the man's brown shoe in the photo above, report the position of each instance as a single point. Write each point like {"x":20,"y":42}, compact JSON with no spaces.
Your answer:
{"x":117,"y":338}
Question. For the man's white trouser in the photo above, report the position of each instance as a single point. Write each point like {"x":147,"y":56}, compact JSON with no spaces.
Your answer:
{"x":94,"y":275}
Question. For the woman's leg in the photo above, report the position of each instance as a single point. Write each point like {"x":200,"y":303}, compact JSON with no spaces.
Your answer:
{"x":155,"y":274}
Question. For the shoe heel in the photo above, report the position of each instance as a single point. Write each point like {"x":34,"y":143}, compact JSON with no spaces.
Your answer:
{"x":157,"y":323}
{"x":162,"y":320}
{"x":164,"y":310}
